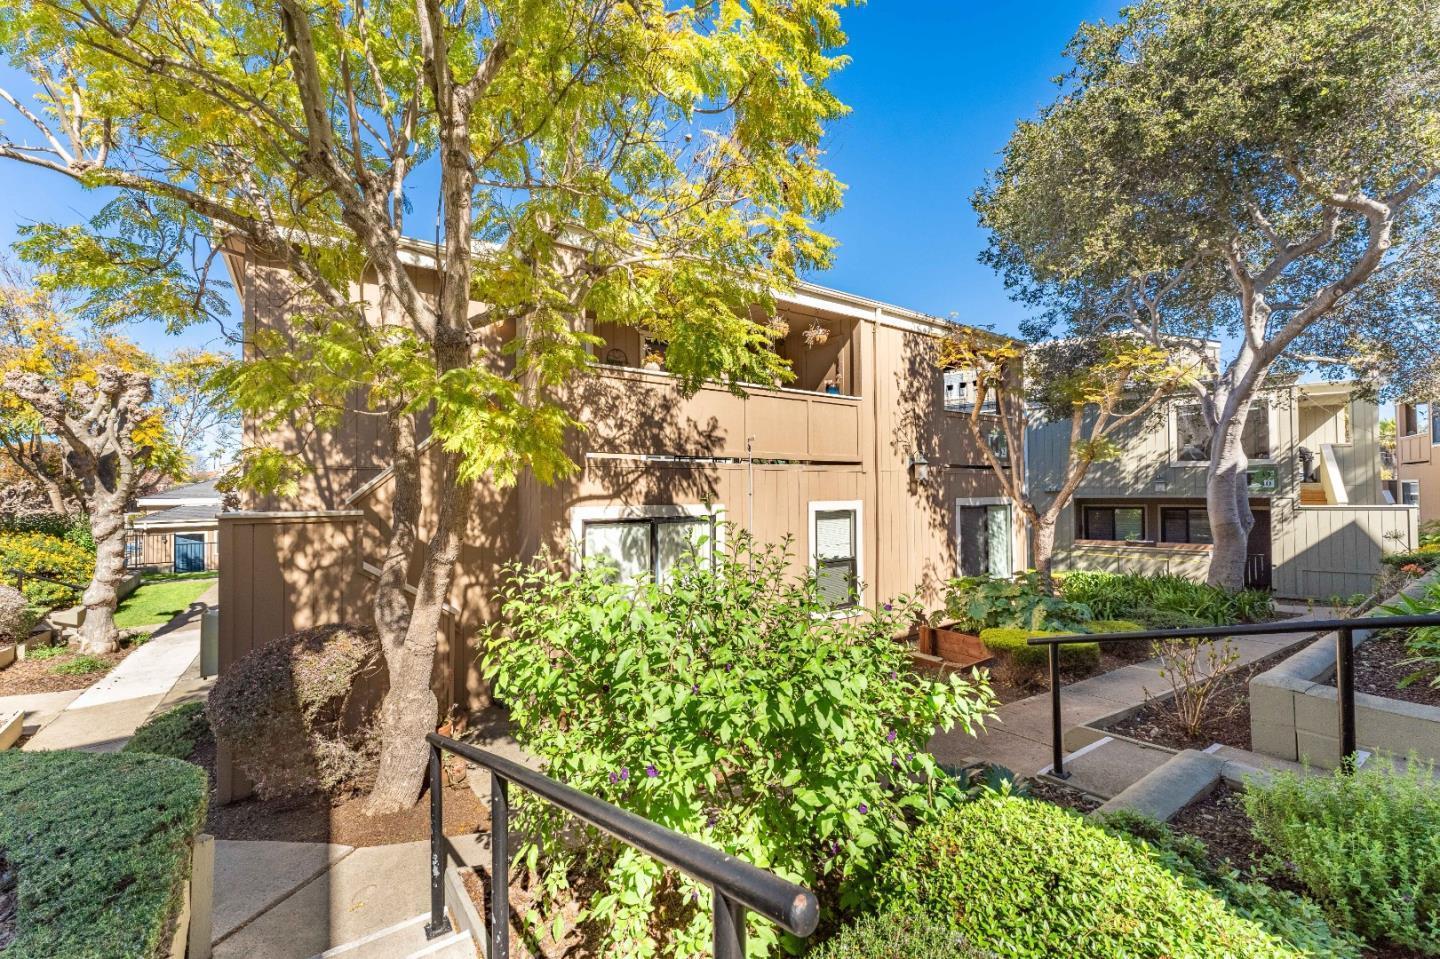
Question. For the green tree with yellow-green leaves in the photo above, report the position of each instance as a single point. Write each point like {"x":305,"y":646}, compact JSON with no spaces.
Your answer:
{"x":653,"y":163}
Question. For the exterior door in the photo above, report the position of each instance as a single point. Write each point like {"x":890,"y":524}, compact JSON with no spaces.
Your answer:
{"x":983,"y":540}
{"x":189,"y":552}
{"x":1258,"y":562}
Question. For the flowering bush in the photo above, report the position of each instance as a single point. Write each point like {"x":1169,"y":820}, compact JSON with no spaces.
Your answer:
{"x":51,"y":555}
{"x":726,"y":704}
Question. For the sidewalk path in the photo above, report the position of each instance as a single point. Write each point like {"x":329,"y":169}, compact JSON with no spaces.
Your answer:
{"x":1018,"y":736}
{"x":106,"y":715}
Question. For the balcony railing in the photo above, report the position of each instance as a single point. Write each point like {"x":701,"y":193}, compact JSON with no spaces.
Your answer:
{"x":736,"y":885}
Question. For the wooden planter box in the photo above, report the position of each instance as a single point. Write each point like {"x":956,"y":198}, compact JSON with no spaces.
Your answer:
{"x":953,"y":646}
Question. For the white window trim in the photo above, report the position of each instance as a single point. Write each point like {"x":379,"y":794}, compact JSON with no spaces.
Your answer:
{"x":1173,"y":435}
{"x":827,"y":505}
{"x":580,"y":515}
{"x":985,"y":501}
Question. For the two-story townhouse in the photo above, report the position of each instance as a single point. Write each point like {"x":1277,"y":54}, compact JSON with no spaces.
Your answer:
{"x":863,"y":462}
{"x":1417,"y":457}
{"x":1322,"y":519}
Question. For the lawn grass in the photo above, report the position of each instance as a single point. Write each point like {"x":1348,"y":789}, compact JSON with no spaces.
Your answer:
{"x":156,"y":603}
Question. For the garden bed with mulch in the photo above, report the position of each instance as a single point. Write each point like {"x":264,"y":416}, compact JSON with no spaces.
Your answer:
{"x":316,"y":818}
{"x":1227,"y":718}
{"x":52,"y":674}
{"x":1380,"y":667}
{"x":1060,"y":795}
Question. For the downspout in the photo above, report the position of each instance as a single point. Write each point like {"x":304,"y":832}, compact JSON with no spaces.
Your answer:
{"x":874,"y":401}
{"x":1029,"y":538}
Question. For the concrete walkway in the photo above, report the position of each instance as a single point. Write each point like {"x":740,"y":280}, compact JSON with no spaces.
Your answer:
{"x":295,"y":900}
{"x":1019,"y":736}
{"x":103,"y":717}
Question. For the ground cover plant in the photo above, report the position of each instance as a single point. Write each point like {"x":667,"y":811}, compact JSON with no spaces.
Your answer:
{"x":727,"y":704}
{"x":1423,"y":643}
{"x":1365,"y":845}
{"x":976,"y":603}
{"x":159,"y":602}
{"x":1297,"y":920}
{"x":173,"y":733}
{"x":1165,"y":601}
{"x":82,"y":665}
{"x":1026,"y":879}
{"x":897,"y":935}
{"x":101,"y":848}
{"x":60,"y":558}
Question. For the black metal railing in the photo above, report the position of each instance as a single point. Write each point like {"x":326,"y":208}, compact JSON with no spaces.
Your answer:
{"x":735,"y":885}
{"x":1344,"y":630}
{"x":22,"y":575}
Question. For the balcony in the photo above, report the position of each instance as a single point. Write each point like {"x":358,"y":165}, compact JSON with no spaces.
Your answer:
{"x":644,"y":413}
{"x":1413,"y":449}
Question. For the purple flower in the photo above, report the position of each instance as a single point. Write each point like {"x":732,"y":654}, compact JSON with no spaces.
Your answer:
{"x":864,"y":809}
{"x":728,"y":667}
{"x":894,"y":675}
{"x":712,"y":819}
{"x":624,"y":772}
{"x":888,"y":607}
{"x":890,"y":736}
{"x":695,"y":687}
{"x":614,"y":778}
{"x":651,"y":771}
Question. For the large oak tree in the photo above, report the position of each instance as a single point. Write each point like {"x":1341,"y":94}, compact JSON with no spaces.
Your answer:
{"x":1260,"y":172}
{"x":653,"y":163}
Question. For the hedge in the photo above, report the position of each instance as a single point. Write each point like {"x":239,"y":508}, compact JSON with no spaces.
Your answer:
{"x":1025,"y":658}
{"x":174,"y":733}
{"x":100,"y":847}
{"x":51,"y":555}
{"x":1029,"y":880}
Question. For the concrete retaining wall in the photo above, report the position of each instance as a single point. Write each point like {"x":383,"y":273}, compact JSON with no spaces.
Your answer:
{"x":1294,"y":711}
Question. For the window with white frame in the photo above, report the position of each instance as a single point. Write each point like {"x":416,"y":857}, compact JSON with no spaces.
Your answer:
{"x":962,"y":386}
{"x":637,"y":546}
{"x":1192,"y":433}
{"x":1410,"y":492}
{"x":835,"y":532}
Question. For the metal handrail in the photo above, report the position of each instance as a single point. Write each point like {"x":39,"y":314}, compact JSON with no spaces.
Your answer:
{"x":21,"y":575}
{"x":1344,"y":630}
{"x":736,"y":885}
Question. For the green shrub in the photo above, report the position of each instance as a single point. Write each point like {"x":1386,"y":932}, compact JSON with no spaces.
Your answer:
{"x":174,"y":733}
{"x":975,"y":603}
{"x":1168,"y":619}
{"x":1422,"y":643}
{"x":1298,"y":921}
{"x":1426,"y":557}
{"x":51,"y":555}
{"x":896,"y":935}
{"x":46,"y":652}
{"x":17,"y":616}
{"x":1026,"y":662}
{"x":100,"y":845}
{"x":1134,"y":651}
{"x":1140,"y":597}
{"x":726,"y":704}
{"x":1365,"y":845}
{"x":287,"y":711}
{"x":1430,"y":533}
{"x":1029,"y":880}
{"x":72,"y":527}
{"x":80,"y":666}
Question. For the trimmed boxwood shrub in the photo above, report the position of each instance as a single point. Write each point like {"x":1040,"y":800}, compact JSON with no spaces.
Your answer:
{"x":897,"y":935}
{"x":293,"y":712}
{"x":1131,"y":651}
{"x":100,"y":846}
{"x":51,"y":555}
{"x":173,"y":733}
{"x":1029,"y":880}
{"x":1026,"y":662}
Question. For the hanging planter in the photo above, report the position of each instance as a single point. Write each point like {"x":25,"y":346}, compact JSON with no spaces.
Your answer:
{"x":816,"y":334}
{"x":777,"y":327}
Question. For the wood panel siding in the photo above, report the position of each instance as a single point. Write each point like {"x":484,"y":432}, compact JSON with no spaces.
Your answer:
{"x":1324,"y":551}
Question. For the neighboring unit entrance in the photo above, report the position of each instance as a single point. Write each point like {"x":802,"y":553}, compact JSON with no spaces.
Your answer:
{"x":1258,"y":562}
{"x":189,"y":552}
{"x":982,"y":537}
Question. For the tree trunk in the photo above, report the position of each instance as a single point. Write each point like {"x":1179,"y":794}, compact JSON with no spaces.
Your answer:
{"x":1227,"y":500}
{"x":411,"y":709}
{"x":1043,"y":546}
{"x":98,"y":633}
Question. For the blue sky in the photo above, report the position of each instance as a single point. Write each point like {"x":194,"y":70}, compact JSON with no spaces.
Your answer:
{"x":935,"y":88}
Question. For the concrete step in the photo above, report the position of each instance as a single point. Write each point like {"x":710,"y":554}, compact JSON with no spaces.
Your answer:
{"x":1170,"y":787}
{"x":1109,"y":766}
{"x":404,"y":940}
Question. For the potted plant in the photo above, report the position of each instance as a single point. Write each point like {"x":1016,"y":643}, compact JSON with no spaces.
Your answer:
{"x":777,"y":327}
{"x":654,"y":360}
